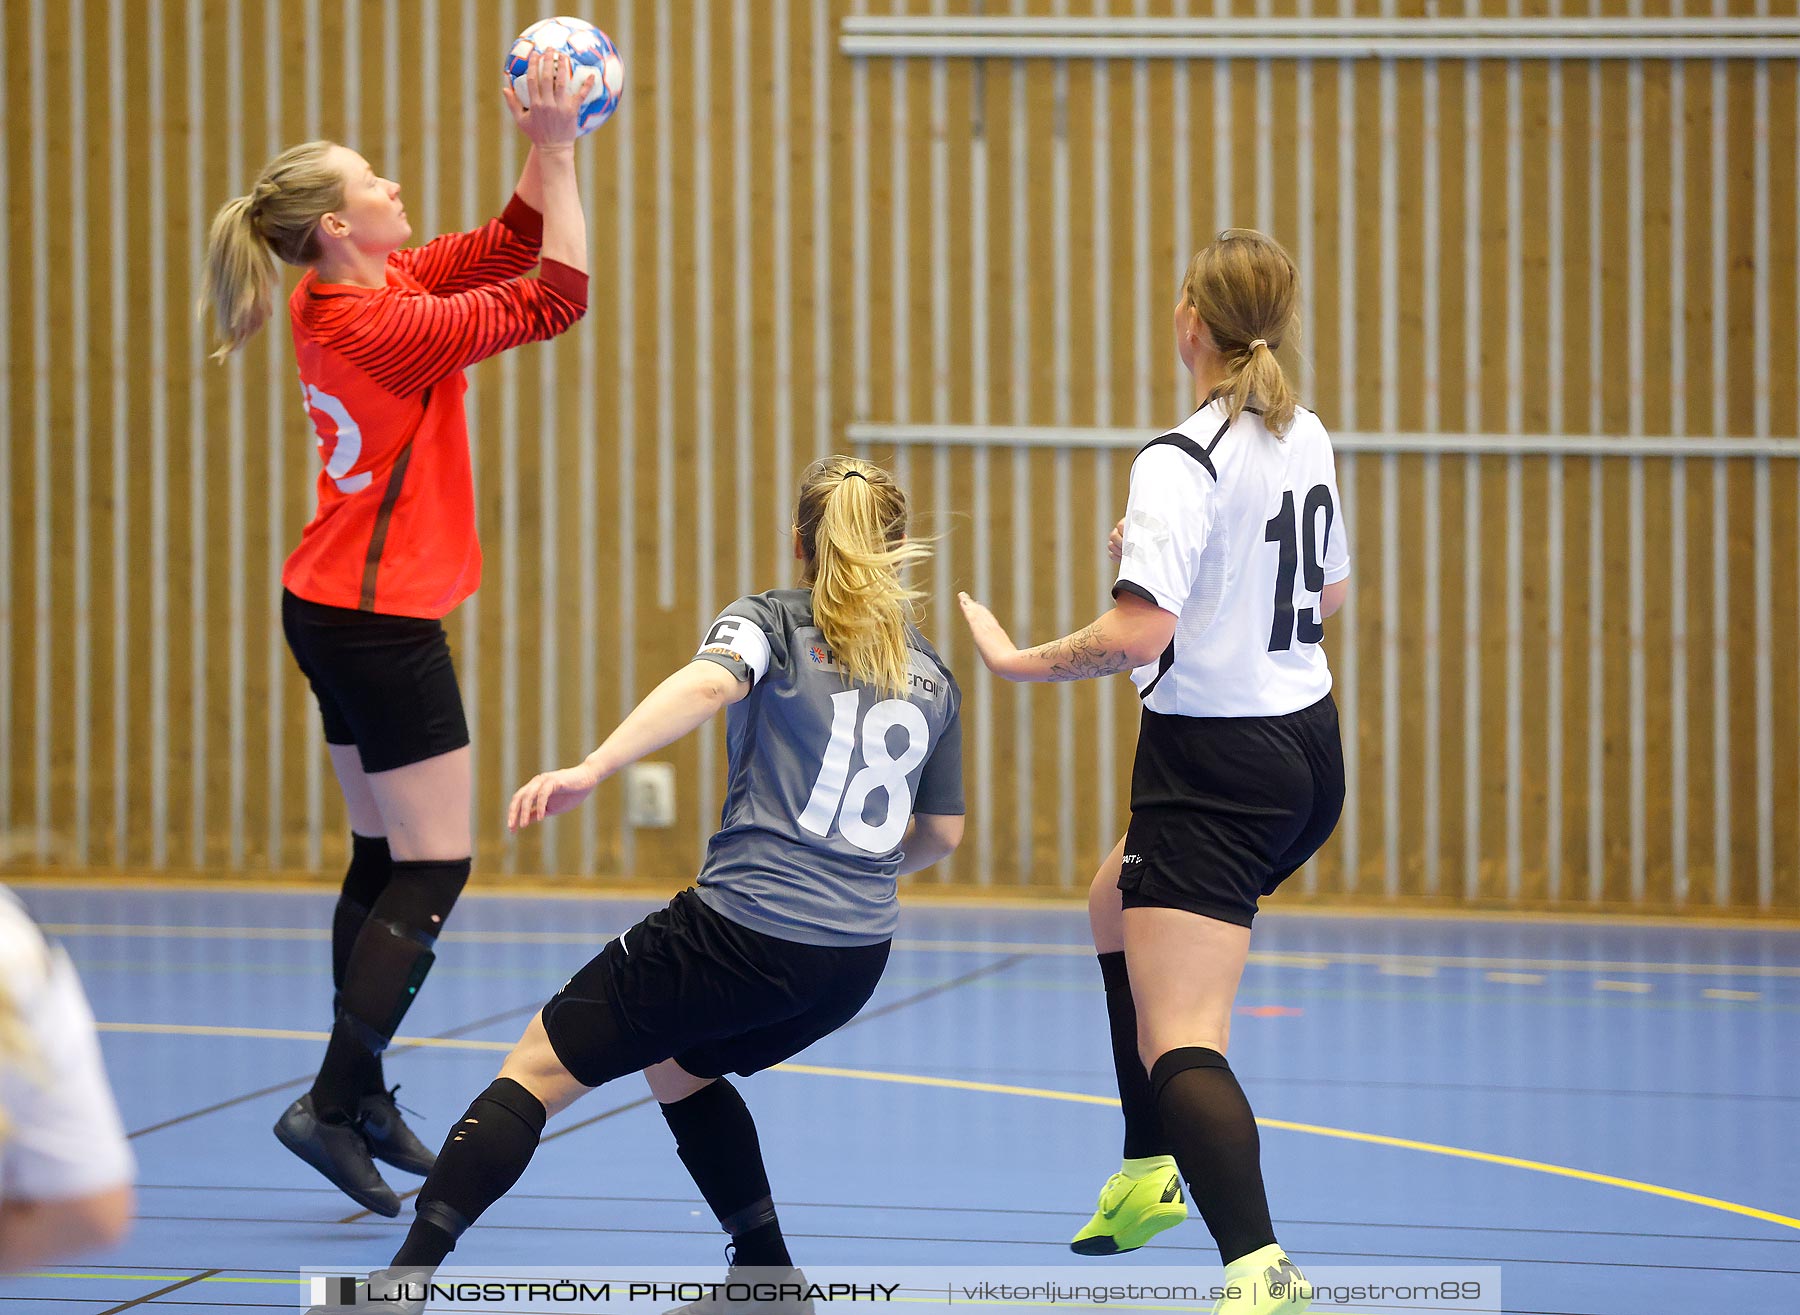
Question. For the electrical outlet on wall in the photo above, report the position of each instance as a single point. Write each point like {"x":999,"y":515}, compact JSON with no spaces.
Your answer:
{"x":650,"y":795}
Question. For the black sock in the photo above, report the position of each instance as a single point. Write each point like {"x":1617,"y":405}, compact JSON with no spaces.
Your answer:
{"x":371,"y":865}
{"x":762,"y":1246}
{"x":1143,"y":1133}
{"x":716,"y":1139}
{"x":481,"y":1160}
{"x":387,"y":965}
{"x":1216,"y":1145}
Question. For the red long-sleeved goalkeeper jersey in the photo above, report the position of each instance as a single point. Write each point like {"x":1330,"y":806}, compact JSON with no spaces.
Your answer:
{"x":395,"y":526}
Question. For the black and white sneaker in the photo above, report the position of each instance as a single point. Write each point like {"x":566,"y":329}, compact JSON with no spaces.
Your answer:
{"x":339,"y":1151}
{"x":390,"y":1140}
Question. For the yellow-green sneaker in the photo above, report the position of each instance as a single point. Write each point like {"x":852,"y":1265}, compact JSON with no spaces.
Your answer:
{"x":1137,"y":1203}
{"x":1264,"y":1282}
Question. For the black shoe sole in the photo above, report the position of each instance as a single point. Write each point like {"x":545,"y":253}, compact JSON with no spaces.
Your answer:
{"x":1099,"y":1246}
{"x":388,"y":1209}
{"x":400,"y":1161}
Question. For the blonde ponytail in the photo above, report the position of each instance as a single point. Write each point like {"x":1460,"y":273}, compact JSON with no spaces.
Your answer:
{"x":278,"y":217}
{"x":239,"y":292}
{"x":1245,"y":289}
{"x":852,"y":524}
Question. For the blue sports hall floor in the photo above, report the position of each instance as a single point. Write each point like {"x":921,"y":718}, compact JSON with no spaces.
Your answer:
{"x":1610,"y":1113}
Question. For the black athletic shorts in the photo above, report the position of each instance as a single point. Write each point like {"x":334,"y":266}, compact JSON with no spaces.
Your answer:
{"x":1224,"y":809}
{"x":384,"y":683}
{"x":689,"y":984}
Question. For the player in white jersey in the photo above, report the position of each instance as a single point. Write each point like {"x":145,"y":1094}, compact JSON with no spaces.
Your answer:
{"x":1232,"y":553}
{"x":65,"y":1168}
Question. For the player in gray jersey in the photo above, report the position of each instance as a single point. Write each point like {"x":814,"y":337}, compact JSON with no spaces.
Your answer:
{"x":844,"y":738}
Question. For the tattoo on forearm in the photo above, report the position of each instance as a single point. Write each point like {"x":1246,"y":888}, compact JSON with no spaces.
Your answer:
{"x":1082,"y":656}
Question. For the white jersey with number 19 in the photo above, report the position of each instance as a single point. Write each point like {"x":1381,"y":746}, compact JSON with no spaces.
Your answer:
{"x":1236,"y":532}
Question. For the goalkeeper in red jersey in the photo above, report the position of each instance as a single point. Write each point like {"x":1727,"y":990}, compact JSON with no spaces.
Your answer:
{"x":382,"y":335}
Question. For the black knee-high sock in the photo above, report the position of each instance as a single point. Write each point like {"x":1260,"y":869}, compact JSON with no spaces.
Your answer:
{"x":371,"y":865}
{"x":1143,"y":1133}
{"x":481,"y":1160}
{"x":716,"y":1139}
{"x":1208,"y":1121}
{"x":387,"y":965}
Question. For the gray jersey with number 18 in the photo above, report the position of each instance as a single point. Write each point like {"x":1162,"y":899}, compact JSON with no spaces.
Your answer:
{"x":823,"y":777}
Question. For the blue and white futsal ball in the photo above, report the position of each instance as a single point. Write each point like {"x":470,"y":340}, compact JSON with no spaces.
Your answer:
{"x":589,"y":49}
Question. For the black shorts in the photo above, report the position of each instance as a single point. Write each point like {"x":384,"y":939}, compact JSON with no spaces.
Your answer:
{"x":691,"y":985}
{"x":384,"y":683}
{"x":1224,"y":809}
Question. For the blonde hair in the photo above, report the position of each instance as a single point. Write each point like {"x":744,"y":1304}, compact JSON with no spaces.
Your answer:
{"x":278,"y":217}
{"x":1245,"y":289}
{"x":852,"y":525}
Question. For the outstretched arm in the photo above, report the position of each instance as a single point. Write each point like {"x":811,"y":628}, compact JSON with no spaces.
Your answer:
{"x":550,"y":125}
{"x":1132,"y":633}
{"x":531,"y":182}
{"x":501,"y":249}
{"x":682,"y":703}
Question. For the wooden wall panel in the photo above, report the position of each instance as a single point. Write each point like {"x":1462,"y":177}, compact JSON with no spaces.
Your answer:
{"x":1564,"y":680}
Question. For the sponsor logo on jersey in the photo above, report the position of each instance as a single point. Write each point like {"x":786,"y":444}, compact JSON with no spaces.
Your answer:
{"x":725,"y":650}
{"x":922,"y":678}
{"x":1129,"y":859}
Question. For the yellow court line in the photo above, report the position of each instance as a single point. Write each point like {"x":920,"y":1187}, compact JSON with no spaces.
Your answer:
{"x":1712,"y":993}
{"x":1069,"y":1097}
{"x":1517,"y":979}
{"x":1399,"y":963}
{"x":1040,"y":1093}
{"x":1630,"y":988}
{"x":1319,"y":1130}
